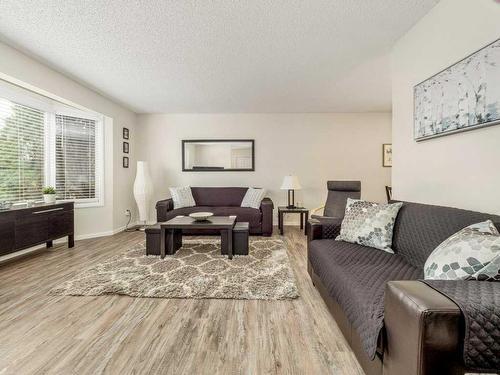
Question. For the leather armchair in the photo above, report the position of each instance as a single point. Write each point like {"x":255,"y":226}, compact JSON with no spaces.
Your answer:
{"x":338,"y":192}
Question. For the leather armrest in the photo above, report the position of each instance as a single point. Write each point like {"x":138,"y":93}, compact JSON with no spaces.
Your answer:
{"x":162,"y":207}
{"x":422,"y":331}
{"x":314,"y":230}
{"x":266,"y":208}
{"x":321,"y":227}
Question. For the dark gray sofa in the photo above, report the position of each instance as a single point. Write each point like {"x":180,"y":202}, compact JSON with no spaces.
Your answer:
{"x":222,"y":201}
{"x":421,"y":328}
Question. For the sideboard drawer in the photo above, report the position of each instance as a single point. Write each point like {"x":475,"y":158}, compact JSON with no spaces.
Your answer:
{"x":31,"y":229}
{"x":60,"y":223}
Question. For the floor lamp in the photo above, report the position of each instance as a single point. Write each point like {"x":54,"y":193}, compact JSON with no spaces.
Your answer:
{"x":143,"y":191}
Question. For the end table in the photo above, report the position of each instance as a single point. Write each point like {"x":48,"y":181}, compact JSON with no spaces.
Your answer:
{"x":304,"y":213}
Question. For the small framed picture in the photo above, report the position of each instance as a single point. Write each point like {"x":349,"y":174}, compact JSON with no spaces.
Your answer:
{"x":125,"y":147}
{"x":387,"y":155}
{"x":125,"y":133}
{"x":125,"y":162}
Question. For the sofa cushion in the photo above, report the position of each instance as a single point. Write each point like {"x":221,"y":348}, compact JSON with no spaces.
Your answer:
{"x":245,"y":214}
{"x":182,"y":197}
{"x":356,"y":276}
{"x":219,"y":196}
{"x":472,"y":253}
{"x":253,"y":198}
{"x":369,"y":224}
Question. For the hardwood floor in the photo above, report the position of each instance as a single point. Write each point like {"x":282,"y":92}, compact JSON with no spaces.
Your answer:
{"x":42,"y":334}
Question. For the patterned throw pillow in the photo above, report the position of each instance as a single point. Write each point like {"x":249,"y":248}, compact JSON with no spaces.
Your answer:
{"x":253,"y":198}
{"x":182,"y":197}
{"x":369,"y":224}
{"x":472,"y":253}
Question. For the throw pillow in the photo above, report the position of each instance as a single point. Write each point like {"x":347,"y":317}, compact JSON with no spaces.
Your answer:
{"x":182,"y":197}
{"x":369,"y":224}
{"x":471,"y":253}
{"x":253,"y":198}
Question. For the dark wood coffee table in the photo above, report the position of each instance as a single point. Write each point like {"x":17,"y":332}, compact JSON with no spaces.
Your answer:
{"x":171,"y":232}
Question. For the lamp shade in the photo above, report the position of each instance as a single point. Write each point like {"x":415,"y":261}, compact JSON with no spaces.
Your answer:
{"x":291,"y":183}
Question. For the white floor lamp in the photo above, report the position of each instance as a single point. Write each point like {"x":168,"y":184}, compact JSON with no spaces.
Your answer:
{"x":143,"y":191}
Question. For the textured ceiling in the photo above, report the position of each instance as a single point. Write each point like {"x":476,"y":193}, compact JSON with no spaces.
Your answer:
{"x":219,"y":56}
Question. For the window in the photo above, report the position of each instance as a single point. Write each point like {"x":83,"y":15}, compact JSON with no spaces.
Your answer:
{"x":21,"y":152}
{"x":43,"y":142}
{"x":75,"y":157}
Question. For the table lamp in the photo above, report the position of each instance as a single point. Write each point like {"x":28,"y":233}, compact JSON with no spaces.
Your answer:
{"x":291,"y":183}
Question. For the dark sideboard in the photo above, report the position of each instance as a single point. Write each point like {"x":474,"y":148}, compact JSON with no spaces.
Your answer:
{"x":24,"y":227}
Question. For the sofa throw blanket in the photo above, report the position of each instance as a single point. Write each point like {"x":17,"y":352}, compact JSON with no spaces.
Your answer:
{"x":479,"y":302}
{"x":355,"y":277}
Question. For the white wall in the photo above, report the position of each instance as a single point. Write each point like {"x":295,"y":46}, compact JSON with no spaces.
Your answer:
{"x":458,"y":170}
{"x":118,"y":181}
{"x":316,"y":147}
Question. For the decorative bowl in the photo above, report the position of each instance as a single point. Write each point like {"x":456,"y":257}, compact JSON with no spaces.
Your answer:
{"x":200,"y":216}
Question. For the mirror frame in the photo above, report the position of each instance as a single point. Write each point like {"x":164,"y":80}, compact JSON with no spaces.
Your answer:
{"x":209,"y":169}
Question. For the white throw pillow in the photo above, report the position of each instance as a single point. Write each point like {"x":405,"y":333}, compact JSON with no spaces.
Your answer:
{"x":253,"y":198}
{"x":369,"y":224}
{"x":471,"y":253}
{"x":182,"y":197}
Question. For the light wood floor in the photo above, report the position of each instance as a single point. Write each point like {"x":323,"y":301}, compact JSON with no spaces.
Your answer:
{"x":41,"y":334}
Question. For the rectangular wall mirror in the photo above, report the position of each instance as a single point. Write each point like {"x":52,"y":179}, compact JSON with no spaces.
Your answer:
{"x":218,"y":155}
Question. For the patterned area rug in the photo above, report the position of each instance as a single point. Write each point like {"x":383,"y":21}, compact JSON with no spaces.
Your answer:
{"x":197,"y":270}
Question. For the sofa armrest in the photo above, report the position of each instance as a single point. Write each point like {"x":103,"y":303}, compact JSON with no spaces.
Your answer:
{"x":266,"y":208}
{"x":422,"y":331}
{"x":323,"y":227}
{"x":162,"y":207}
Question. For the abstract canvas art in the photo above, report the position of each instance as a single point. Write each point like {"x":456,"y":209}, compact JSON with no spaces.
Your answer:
{"x":462,"y":97}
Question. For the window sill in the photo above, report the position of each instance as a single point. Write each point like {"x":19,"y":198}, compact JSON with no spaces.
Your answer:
{"x":83,"y":204}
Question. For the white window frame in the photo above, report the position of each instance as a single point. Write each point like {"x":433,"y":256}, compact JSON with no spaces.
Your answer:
{"x":52,"y":106}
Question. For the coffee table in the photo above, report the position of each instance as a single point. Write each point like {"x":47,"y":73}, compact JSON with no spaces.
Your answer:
{"x":171,"y":231}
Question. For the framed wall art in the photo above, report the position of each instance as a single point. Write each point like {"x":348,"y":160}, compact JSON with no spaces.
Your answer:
{"x":464,"y":96}
{"x":387,"y":155}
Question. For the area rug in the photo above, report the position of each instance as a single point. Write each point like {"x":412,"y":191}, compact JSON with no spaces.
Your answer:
{"x":197,"y":270}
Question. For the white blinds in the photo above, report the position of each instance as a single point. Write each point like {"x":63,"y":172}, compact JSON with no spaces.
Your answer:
{"x":44,"y":142}
{"x":21,"y":152}
{"x":75,"y":166}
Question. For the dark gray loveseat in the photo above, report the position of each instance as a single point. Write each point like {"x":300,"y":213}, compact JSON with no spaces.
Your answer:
{"x":422,"y":329}
{"x":222,"y":201}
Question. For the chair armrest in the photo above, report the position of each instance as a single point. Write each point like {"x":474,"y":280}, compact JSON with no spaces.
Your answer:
{"x":323,"y":227}
{"x":266,"y":208}
{"x":314,"y":210}
{"x":162,"y":208}
{"x":422,"y":331}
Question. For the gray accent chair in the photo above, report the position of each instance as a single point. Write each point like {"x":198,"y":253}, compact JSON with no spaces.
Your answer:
{"x":338,"y":192}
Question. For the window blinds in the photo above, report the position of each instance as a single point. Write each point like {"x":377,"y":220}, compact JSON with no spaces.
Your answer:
{"x":22,"y":130}
{"x":44,"y":142}
{"x":75,"y":166}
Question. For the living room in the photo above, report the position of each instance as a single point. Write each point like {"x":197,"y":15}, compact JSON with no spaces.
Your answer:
{"x":249,"y":187}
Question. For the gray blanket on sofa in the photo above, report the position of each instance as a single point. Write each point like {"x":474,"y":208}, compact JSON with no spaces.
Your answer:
{"x":479,"y":302}
{"x":355,"y":277}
